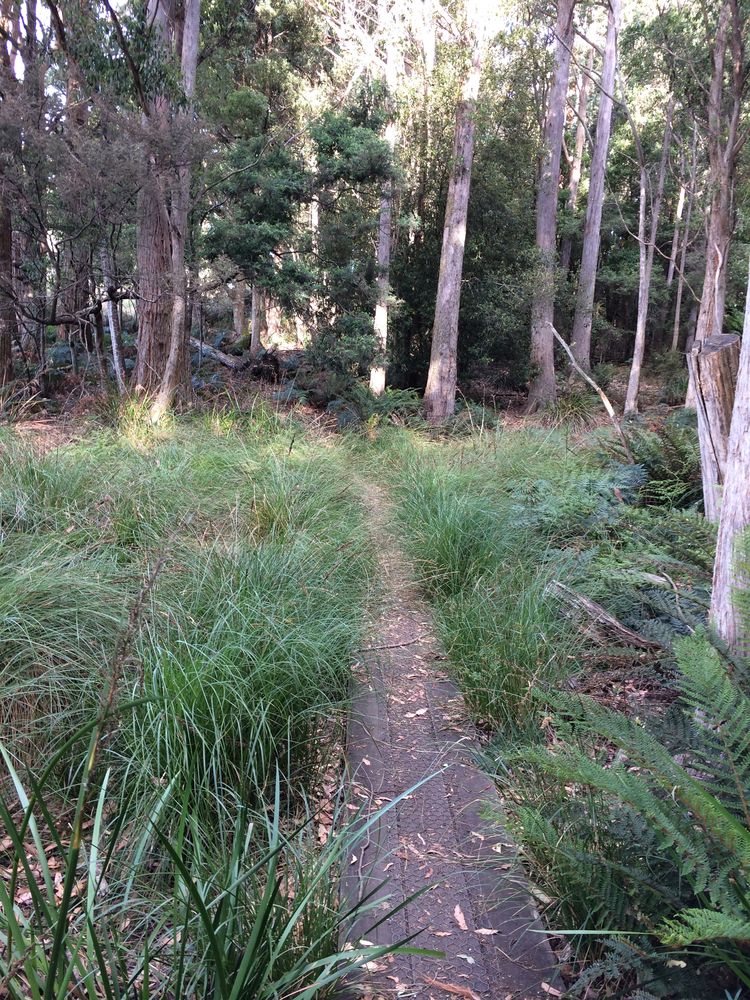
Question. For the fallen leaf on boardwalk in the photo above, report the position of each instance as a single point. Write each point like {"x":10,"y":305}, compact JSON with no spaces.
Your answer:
{"x":459,"y":991}
{"x":413,"y":715}
{"x":443,"y":933}
{"x":460,"y":919}
{"x":551,"y":990}
{"x":466,"y":958}
{"x":485,"y":931}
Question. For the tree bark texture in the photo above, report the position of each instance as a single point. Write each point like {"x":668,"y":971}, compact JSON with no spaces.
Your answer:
{"x":176,"y":379}
{"x":713,"y":365}
{"x":385,"y":220}
{"x":238,"y":308}
{"x":113,"y":318}
{"x":731,"y":578}
{"x":646,"y":263}
{"x":685,"y":242}
{"x":543,"y":390}
{"x":440,"y":394}
{"x":580,"y":338}
{"x":724,"y":108}
{"x":8,"y":328}
{"x":576,"y":164}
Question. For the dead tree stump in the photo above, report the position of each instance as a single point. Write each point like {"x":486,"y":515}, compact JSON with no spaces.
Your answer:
{"x":713,"y":365}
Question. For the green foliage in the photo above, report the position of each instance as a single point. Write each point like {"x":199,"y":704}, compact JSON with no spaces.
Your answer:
{"x":154,"y":913}
{"x":672,"y":372}
{"x":573,"y":408}
{"x":486,"y":570}
{"x":684,"y":868}
{"x":177,"y":856}
{"x":669,"y":455}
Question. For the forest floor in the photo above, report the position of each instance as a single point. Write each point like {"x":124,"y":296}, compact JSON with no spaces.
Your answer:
{"x":441,"y":848}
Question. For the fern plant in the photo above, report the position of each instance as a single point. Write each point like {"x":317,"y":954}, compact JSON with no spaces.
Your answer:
{"x":691,"y":884}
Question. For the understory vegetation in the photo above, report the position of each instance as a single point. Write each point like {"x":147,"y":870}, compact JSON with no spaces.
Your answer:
{"x":571,"y":592}
{"x":178,"y":611}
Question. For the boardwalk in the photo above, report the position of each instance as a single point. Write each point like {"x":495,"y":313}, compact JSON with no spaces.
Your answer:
{"x":409,"y":722}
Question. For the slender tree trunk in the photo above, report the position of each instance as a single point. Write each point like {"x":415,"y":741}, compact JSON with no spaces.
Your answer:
{"x":256,"y":309}
{"x":580,"y":340}
{"x":440,"y":393}
{"x":238,"y":308}
{"x":646,"y":263}
{"x":731,"y":578}
{"x":113,"y":318}
{"x":724,"y":111}
{"x":685,"y":243}
{"x":576,"y":166}
{"x":385,"y":221}
{"x":176,"y":379}
{"x":543,"y":389}
{"x":8,"y":321}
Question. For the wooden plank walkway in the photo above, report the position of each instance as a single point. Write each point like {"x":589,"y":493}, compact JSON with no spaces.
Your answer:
{"x":408,"y":722}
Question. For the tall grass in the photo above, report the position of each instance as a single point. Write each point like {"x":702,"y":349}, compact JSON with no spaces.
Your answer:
{"x":196,"y":869}
{"x":485,"y":566}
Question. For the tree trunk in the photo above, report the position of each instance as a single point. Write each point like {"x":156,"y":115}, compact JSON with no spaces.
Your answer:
{"x":713,"y":365}
{"x":8,"y":327}
{"x":685,"y":242}
{"x":176,"y":379}
{"x":378,"y":372}
{"x":440,"y":394}
{"x":385,"y":221}
{"x":723,"y":114}
{"x":580,"y":339}
{"x":730,"y":577}
{"x":154,"y":286}
{"x":646,"y":264}
{"x":255,"y":320}
{"x":576,"y":166}
{"x":113,"y":318}
{"x":238,"y":308}
{"x":543,"y":389}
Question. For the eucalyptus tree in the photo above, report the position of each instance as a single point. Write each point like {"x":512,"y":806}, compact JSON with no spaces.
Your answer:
{"x":440,"y":393}
{"x":543,"y":389}
{"x":580,"y":339}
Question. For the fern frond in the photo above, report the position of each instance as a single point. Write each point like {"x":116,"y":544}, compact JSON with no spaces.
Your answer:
{"x":694,"y":924}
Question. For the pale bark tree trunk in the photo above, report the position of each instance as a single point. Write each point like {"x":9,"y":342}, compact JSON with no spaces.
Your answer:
{"x":646,"y":261}
{"x":580,"y":339}
{"x":685,"y":242}
{"x":440,"y":393}
{"x":724,"y":110}
{"x":681,"y":198}
{"x":238,"y":308}
{"x":113,"y":318}
{"x":576,"y":164}
{"x":543,"y":389}
{"x":176,"y":379}
{"x":385,"y":221}
{"x":256,"y":310}
{"x":378,"y":371}
{"x":730,"y":577}
{"x":713,"y":365}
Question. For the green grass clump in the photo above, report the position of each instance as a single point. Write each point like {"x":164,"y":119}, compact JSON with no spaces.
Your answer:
{"x":202,"y":874}
{"x":485,"y":567}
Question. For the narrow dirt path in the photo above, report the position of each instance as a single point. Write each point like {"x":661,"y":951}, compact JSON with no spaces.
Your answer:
{"x":408,"y":722}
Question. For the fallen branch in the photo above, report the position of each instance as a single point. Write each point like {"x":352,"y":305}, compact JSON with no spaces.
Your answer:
{"x":391,"y":645}
{"x":236,"y":364}
{"x":599,"y":616}
{"x":602,"y":395}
